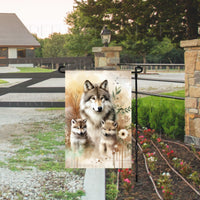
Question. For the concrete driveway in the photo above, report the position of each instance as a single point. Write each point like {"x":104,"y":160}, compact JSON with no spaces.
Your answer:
{"x":18,"y":115}
{"x":8,"y":69}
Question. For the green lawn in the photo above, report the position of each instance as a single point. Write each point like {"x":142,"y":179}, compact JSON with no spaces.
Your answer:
{"x":44,"y":144}
{"x":2,"y":81}
{"x":179,"y":93}
{"x":156,"y":101}
{"x":33,"y":70}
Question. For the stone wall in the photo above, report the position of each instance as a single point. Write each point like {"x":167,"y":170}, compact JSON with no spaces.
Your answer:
{"x":106,"y":57}
{"x":192,"y":91}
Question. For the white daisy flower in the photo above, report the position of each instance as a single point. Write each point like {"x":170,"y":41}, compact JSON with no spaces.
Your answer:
{"x":163,"y":174}
{"x":123,"y":134}
{"x":168,"y":174}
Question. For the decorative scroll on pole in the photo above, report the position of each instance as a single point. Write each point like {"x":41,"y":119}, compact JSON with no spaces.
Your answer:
{"x":138,"y":70}
{"x":61,"y":69}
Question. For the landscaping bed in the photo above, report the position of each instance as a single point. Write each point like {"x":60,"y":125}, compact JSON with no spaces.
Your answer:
{"x":173,"y":166}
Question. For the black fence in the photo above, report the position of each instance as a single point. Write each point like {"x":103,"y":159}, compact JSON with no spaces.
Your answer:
{"x":153,"y":66}
{"x":24,"y":88}
{"x":39,"y":77}
{"x":159,"y":95}
{"x":69,"y":62}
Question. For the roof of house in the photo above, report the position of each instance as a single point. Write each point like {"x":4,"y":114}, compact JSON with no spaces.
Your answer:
{"x":13,"y":33}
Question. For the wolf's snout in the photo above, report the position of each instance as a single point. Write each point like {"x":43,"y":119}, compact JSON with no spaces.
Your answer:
{"x":106,"y":134}
{"x":81,"y":133}
{"x":99,"y":109}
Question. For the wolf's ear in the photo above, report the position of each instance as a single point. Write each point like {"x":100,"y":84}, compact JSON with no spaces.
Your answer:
{"x":73,"y":121}
{"x":104,"y":85}
{"x":88,"y":85}
{"x":115,"y":124}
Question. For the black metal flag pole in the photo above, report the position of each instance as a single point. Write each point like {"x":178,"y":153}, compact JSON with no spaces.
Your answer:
{"x":138,"y":69}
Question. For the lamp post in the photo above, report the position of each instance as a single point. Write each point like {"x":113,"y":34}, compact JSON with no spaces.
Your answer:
{"x":106,"y":56}
{"x":105,"y":36}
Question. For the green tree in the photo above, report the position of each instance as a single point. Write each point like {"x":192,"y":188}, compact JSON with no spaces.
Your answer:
{"x":80,"y":44}
{"x":151,"y":50}
{"x":38,"y":50}
{"x":81,"y":37}
{"x":137,"y":25}
{"x":175,"y":19}
{"x":54,"y":46}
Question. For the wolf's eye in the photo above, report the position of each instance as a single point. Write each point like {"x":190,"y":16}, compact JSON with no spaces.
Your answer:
{"x":93,"y":98}
{"x":102,"y":98}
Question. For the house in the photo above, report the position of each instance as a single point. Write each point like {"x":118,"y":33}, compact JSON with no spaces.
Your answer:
{"x":15,"y":39}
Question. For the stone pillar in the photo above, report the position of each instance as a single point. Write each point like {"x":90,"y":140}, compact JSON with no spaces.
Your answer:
{"x":192,"y":91}
{"x":107,"y":57}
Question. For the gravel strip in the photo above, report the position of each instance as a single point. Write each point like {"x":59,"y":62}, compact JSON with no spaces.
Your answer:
{"x":36,"y":184}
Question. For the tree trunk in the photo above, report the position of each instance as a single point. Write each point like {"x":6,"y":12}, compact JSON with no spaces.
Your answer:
{"x":144,"y":61}
{"x":192,"y":17}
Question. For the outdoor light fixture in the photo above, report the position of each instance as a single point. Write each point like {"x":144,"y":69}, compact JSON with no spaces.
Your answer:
{"x":105,"y":36}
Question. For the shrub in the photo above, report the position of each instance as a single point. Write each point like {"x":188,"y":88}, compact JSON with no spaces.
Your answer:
{"x":111,"y":191}
{"x":157,"y":116}
{"x":143,"y":115}
{"x":173,"y":125}
{"x":111,"y":186}
{"x":164,"y":115}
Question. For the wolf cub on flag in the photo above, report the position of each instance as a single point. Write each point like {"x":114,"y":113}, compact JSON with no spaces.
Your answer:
{"x":78,"y":137}
{"x":108,"y":138}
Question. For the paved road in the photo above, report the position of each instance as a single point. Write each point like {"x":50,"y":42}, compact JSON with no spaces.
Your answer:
{"x":157,"y":87}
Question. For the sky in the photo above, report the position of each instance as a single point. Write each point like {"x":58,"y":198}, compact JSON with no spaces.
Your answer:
{"x":42,"y":17}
